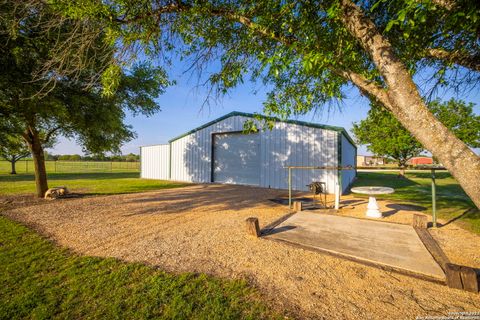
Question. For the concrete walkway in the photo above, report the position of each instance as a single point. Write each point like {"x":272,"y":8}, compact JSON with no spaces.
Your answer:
{"x":394,"y":245}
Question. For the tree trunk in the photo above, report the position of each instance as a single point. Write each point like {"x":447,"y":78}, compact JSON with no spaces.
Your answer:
{"x":12,"y":163}
{"x":401,"y":172}
{"x":36,"y":149}
{"x":405,"y":103}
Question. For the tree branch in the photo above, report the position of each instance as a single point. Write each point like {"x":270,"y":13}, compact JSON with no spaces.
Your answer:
{"x":169,"y":8}
{"x":246,"y":21}
{"x":465,"y":60}
{"x":20,"y":156}
{"x":367,"y":87}
{"x":447,"y":4}
{"x":50,"y":134}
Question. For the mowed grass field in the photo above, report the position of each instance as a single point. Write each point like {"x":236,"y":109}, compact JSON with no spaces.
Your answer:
{"x":87,"y":183}
{"x":452,"y":202}
{"x":26,"y":166}
{"x":42,"y":281}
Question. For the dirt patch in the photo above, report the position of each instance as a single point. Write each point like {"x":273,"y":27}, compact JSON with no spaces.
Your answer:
{"x":201,"y":229}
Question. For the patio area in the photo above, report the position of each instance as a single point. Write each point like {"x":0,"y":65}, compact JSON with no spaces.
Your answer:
{"x":391,"y":245}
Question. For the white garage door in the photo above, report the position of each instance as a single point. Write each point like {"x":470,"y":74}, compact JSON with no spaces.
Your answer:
{"x":236,"y":158}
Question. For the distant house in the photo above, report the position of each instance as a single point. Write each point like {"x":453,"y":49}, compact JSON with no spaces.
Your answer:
{"x":363,"y":161}
{"x":415,"y":161}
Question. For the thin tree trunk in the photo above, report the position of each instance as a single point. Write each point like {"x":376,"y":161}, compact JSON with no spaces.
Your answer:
{"x":405,"y":103}
{"x":12,"y":163}
{"x":36,"y":149}
{"x":401,"y":173}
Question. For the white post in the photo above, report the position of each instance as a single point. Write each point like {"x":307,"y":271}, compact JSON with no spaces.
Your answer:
{"x":337,"y":196}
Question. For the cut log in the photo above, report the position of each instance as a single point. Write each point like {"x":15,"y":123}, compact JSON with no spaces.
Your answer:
{"x":253,"y":227}
{"x":462,"y":277}
{"x":297,"y":206}
{"x":469,"y":279}
{"x":454,"y":280}
{"x":419,"y":221}
{"x":57,"y":192}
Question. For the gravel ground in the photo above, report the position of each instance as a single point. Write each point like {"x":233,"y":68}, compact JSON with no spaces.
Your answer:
{"x":200,"y":228}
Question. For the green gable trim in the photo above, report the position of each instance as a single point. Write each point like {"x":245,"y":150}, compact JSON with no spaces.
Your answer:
{"x":251,"y":115}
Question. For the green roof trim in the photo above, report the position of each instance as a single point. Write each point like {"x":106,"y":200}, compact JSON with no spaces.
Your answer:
{"x":251,"y":115}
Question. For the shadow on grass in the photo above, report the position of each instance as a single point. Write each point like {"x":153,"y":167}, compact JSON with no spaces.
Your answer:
{"x":383,"y":179}
{"x":452,"y":202}
{"x":471,"y":213}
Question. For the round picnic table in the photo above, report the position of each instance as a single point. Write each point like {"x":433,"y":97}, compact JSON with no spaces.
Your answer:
{"x":372,"y":207}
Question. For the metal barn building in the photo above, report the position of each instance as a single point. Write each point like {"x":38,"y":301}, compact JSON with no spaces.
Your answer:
{"x":219,"y":152}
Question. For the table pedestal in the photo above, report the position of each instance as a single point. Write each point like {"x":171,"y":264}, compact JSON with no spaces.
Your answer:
{"x":372,"y":208}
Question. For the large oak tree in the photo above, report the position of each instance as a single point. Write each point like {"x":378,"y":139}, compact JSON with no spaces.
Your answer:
{"x":76,"y":105}
{"x":310,"y":51}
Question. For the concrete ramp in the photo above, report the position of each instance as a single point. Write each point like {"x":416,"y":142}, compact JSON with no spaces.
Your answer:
{"x":374,"y":242}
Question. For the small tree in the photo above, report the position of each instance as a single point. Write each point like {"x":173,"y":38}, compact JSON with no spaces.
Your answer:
{"x":385,"y":136}
{"x":12,"y":149}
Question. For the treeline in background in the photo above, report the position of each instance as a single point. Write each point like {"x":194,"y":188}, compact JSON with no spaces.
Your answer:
{"x":131,"y":157}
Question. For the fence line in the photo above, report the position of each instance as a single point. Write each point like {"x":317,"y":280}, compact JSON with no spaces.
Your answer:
{"x":60,"y":166}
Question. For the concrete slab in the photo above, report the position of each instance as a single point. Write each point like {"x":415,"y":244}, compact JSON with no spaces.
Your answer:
{"x":393,"y":245}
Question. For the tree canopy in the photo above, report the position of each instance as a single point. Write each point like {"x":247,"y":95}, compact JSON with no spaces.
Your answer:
{"x":458,"y":116}
{"x":385,"y":136}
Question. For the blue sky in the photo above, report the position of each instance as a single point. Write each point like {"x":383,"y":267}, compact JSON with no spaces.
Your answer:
{"x":182,"y":111}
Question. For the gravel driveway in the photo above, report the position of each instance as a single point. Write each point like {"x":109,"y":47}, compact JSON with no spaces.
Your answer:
{"x":200,"y":228}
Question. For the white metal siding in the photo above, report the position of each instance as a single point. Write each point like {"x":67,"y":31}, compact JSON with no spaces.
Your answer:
{"x":286,"y":144}
{"x":296,"y":145}
{"x":236,"y":158}
{"x":349,"y":154}
{"x":155,"y":162}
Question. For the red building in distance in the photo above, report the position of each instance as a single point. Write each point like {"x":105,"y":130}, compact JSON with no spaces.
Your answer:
{"x":415,"y":161}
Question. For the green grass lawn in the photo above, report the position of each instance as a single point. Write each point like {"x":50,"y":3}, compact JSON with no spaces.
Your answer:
{"x":89,"y":183}
{"x":452,"y":202}
{"x":41,"y":281}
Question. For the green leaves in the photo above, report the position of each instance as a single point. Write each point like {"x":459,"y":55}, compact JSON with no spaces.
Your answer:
{"x":111,"y":79}
{"x":459,"y":117}
{"x":385,"y":136}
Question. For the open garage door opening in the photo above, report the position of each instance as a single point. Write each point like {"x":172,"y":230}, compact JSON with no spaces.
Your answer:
{"x":236,"y":158}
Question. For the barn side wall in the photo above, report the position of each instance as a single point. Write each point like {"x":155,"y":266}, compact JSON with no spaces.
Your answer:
{"x":155,"y":162}
{"x":296,"y":145}
{"x":286,"y":144}
{"x":349,"y":156}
